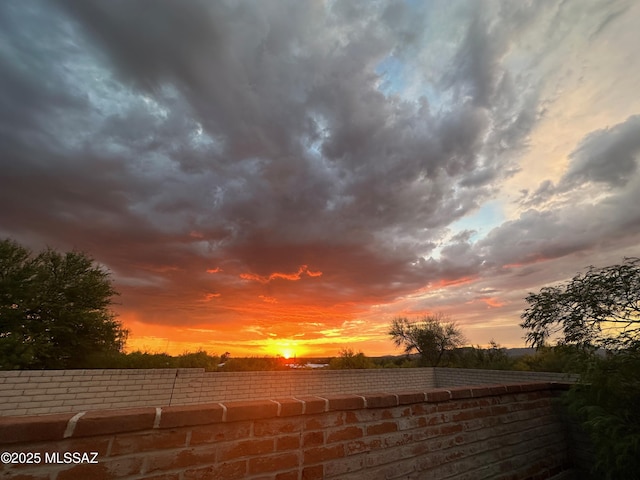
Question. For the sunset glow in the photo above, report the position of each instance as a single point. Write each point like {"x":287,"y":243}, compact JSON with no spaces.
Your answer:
{"x":288,"y":353}
{"x":284,"y":178}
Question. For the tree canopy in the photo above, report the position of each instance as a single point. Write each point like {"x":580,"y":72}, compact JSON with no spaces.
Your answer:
{"x":432,"y":337}
{"x":349,"y":359}
{"x":54,"y":309}
{"x":600,"y":308}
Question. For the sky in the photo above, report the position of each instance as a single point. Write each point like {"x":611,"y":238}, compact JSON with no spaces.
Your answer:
{"x":287,"y":177}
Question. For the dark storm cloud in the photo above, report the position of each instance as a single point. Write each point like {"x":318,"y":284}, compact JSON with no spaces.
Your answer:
{"x":566,"y":222}
{"x":575,"y":227}
{"x":170,"y":138}
{"x":608,"y":156}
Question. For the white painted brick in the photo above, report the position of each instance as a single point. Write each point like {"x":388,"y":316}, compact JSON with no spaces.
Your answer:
{"x":19,"y":412}
{"x":17,"y":392}
{"x":65,"y":396}
{"x":15,"y":380}
{"x":60,"y":409}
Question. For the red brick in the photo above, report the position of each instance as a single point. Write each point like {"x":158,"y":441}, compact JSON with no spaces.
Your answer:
{"x":114,"y":421}
{"x":250,"y":410}
{"x":347,"y":433}
{"x":345,"y":402}
{"x":498,"y":389}
{"x":105,"y":470}
{"x":401,"y":438}
{"x":359,"y":446}
{"x":246,"y":448}
{"x":290,"y":406}
{"x":450,"y":428}
{"x":98,"y":445}
{"x":423,"y":409}
{"x":383,"y":456}
{"x":471,"y":414}
{"x":406,"y":398}
{"x":272,"y":463}
{"x":313,"y":404}
{"x":28,"y":476}
{"x":408,"y":423}
{"x":173,"y":460}
{"x":188,"y":415}
{"x":277,"y":426}
{"x":167,"y":476}
{"x":513,"y":388}
{"x":312,"y":439}
{"x":321,"y":422}
{"x":395,"y":470}
{"x":321,"y":454}
{"x":220,"y":432}
{"x":380,"y":400}
{"x":534,"y":387}
{"x":352,"y":417}
{"x":124,"y":444}
{"x":438,"y":395}
{"x":33,"y":429}
{"x":459,"y":393}
{"x":499,"y":410}
{"x":226,"y":471}
{"x":315,"y":472}
{"x":292,"y":475}
{"x":339,"y":467}
{"x":288,"y":442}
{"x":381,"y":428}
{"x":480,"y":391}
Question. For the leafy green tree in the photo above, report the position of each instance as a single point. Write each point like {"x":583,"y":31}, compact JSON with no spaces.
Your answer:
{"x":600,"y":308}
{"x":606,"y":404}
{"x":54,"y":309}
{"x":432,"y":337}
{"x":349,"y":359}
{"x":253,"y":364}
{"x":199,"y":359}
{"x":493,"y":358}
{"x":16,"y":273}
{"x":558,"y":358}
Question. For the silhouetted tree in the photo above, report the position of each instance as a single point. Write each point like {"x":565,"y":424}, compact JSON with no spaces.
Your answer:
{"x":432,"y":337}
{"x":600,"y":308}
{"x":349,"y":359}
{"x":54,"y":309}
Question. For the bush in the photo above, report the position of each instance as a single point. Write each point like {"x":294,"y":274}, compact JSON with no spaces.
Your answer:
{"x":348,"y":359}
{"x":253,"y":364}
{"x":606,"y":405}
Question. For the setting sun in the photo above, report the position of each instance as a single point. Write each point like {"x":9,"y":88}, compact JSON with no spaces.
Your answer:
{"x":288,"y":353}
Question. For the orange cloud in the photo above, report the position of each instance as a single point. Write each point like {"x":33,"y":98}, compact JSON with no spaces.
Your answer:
{"x":210,"y":296}
{"x":492,"y":302}
{"x":285,"y":276}
{"x":267,"y":299}
{"x":214,"y":270}
{"x":455,"y":282}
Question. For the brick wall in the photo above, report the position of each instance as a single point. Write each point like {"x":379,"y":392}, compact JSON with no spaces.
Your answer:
{"x":50,"y":391}
{"x":221,"y":386}
{"x":56,"y":391}
{"x":499,"y":432}
{"x":460,"y":377}
{"x":42,"y":392}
